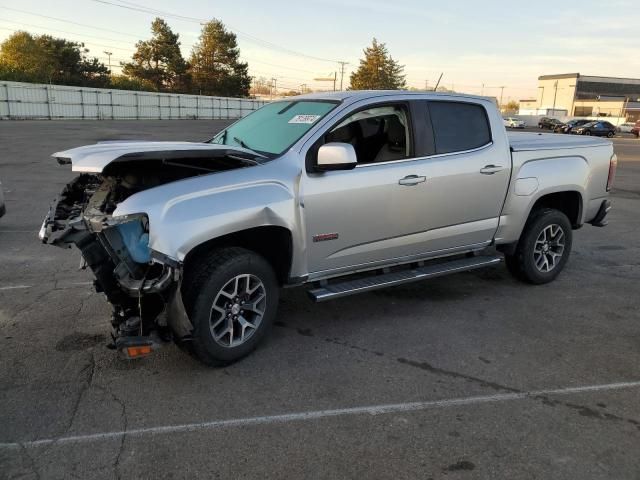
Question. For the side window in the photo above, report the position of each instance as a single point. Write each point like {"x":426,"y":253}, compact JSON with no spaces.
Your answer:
{"x":459,"y":126}
{"x":378,"y":134}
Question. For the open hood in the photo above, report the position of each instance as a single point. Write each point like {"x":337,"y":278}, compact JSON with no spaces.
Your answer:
{"x":94,"y":158}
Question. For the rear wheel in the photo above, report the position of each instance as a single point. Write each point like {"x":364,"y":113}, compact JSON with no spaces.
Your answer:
{"x":231,"y":299}
{"x":543,"y":248}
{"x":610,"y":134}
{"x":587,"y":132}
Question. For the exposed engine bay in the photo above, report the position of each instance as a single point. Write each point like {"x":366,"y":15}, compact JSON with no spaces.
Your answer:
{"x":144,"y":290}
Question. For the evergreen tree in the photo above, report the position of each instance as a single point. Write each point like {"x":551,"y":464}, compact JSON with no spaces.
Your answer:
{"x":215,"y":66}
{"x":377,"y":70}
{"x":158,"y":61}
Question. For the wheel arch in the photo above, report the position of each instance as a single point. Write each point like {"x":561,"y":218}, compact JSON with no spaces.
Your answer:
{"x":569,"y":202}
{"x":272,"y":242}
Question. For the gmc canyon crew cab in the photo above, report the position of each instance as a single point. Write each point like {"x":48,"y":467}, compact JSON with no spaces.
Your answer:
{"x":342,"y":193}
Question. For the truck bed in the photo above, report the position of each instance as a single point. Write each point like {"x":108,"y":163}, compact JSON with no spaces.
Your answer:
{"x":527,"y":141}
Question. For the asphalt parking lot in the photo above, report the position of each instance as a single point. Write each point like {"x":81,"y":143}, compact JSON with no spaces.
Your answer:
{"x":469,"y":376}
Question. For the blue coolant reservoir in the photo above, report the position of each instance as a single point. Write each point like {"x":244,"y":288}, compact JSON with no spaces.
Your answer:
{"x":136,"y":240}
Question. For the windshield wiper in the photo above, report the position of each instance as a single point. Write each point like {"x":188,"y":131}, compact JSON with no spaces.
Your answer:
{"x":241,"y":143}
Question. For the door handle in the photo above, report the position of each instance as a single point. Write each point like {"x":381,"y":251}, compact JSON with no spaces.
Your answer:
{"x":491,"y":169}
{"x":410,"y":180}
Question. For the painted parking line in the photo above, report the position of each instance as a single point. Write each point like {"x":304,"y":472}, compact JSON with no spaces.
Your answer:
{"x":57,"y":286}
{"x":316,"y":415}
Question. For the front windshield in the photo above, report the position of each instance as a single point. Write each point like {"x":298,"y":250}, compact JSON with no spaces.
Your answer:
{"x":272,"y":129}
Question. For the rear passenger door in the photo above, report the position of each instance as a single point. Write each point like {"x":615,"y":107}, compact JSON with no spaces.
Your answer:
{"x":467,"y":172}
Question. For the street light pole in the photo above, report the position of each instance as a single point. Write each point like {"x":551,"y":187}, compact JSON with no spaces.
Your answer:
{"x":108,"y":54}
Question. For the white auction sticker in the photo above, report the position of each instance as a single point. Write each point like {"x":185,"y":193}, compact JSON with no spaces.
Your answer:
{"x":304,"y":119}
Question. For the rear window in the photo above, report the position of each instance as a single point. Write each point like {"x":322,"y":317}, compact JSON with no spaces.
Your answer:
{"x":459,"y":126}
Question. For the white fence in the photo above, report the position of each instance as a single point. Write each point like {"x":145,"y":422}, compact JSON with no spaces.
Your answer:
{"x":37,"y":101}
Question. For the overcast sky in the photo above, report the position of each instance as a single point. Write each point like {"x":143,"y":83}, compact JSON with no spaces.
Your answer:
{"x":494,"y":43}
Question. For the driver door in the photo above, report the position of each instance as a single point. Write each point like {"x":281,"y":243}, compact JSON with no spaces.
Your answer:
{"x":369,"y":214}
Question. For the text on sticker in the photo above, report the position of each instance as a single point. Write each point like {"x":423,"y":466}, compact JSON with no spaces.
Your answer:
{"x":304,"y":119}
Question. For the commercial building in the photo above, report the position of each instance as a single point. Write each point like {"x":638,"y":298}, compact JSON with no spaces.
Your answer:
{"x":578,"y":95}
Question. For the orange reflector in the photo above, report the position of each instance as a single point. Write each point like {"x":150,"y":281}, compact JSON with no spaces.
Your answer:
{"x":136,"y":352}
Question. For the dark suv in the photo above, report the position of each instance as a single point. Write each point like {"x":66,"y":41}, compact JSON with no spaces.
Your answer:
{"x":566,"y":128}
{"x":549,"y":123}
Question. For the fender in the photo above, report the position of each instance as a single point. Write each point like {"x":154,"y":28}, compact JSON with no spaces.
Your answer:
{"x":535,"y":179}
{"x":187,"y":213}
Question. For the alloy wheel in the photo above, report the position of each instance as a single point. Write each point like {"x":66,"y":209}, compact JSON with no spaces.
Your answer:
{"x":549,"y":248}
{"x":237,"y":310}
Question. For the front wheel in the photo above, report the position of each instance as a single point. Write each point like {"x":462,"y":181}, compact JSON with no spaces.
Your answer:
{"x":543,"y":248}
{"x":610,"y":134}
{"x":587,"y":133}
{"x":231,"y":298}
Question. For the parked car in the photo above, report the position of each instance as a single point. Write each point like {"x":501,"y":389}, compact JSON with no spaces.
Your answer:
{"x":626,"y":127}
{"x":3,"y":208}
{"x":599,"y":128}
{"x":636,"y":129}
{"x":566,"y":128}
{"x":511,"y":122}
{"x":546,"y":123}
{"x":192,"y":241}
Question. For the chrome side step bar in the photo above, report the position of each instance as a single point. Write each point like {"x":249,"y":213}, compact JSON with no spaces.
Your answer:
{"x":360,"y":285}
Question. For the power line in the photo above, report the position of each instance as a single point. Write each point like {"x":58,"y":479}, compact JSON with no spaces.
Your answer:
{"x":153,"y":11}
{"x":66,"y":32}
{"x":82,"y":35}
{"x":70,"y":22}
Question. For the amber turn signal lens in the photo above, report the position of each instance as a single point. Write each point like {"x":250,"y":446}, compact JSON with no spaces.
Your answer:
{"x":140,"y":351}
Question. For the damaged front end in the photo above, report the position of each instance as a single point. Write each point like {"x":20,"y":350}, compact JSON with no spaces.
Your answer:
{"x":141,"y":289}
{"x":143,"y":286}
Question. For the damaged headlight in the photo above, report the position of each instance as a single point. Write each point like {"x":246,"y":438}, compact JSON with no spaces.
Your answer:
{"x":135,"y":237}
{"x":133,"y":232}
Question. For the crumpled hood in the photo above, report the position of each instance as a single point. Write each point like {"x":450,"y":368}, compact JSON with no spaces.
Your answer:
{"x":94,"y":158}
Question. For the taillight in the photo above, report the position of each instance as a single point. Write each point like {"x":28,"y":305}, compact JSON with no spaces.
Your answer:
{"x":613,"y":165}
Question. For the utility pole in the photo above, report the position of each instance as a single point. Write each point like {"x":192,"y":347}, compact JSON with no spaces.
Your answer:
{"x":108,"y":54}
{"x":435,"y":89}
{"x":482,"y":91}
{"x":335,"y":78}
{"x":555,"y":94}
{"x":274,"y":84}
{"x":426,"y":85}
{"x":501,"y":92}
{"x":342,"y":65}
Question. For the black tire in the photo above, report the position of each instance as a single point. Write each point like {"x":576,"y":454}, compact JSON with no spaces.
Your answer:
{"x":204,"y":285}
{"x":610,"y":134}
{"x":587,"y":133}
{"x":522,"y":264}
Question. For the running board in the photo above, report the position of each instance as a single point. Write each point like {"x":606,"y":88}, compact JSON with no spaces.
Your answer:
{"x":391,"y":279}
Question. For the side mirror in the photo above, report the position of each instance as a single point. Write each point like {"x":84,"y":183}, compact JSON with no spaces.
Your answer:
{"x":336,"y":156}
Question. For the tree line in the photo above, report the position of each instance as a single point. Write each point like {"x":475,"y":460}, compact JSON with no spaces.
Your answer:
{"x":213,"y":67}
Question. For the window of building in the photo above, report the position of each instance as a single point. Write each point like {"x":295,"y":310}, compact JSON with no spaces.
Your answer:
{"x":583,"y":111}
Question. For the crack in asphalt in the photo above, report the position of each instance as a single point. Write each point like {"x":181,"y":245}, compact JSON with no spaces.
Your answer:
{"x":31,"y":461}
{"x":91,"y":367}
{"x":583,"y":410}
{"x":125,"y":423}
{"x":450,"y":373}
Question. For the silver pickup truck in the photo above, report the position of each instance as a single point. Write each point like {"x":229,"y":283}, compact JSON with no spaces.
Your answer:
{"x":342,"y":193}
